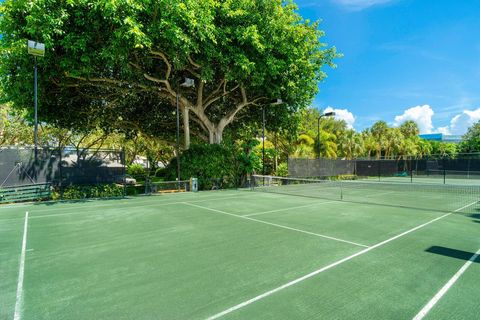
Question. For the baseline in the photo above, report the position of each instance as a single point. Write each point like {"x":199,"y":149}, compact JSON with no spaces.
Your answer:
{"x":161,"y":204}
{"x":330,"y":266}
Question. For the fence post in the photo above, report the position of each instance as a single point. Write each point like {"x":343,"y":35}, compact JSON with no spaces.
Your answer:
{"x":124,"y":173}
{"x":379,"y":168}
{"x":444,"y":171}
{"x":60,"y":166}
{"x":411,"y":171}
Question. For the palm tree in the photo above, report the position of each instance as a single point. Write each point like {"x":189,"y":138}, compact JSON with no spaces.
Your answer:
{"x":409,"y":129}
{"x":351,"y":144}
{"x":379,"y":131}
{"x":392,"y":140}
{"x":304,"y":147}
{"x":327,"y":145}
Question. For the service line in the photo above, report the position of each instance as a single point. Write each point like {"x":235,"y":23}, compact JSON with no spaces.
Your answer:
{"x":330,"y":266}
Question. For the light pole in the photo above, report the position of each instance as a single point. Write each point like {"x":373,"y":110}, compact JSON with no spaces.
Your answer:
{"x":36,"y":49}
{"x":277,"y":102}
{"x":327,"y":114}
{"x":188,"y":83}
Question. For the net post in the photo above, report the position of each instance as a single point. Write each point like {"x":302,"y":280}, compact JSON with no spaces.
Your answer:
{"x":341,"y":190}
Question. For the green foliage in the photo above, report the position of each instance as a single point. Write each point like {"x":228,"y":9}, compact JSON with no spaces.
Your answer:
{"x":248,"y":160}
{"x":346,"y":177}
{"x":88,"y":191}
{"x":14,"y":129}
{"x":208,"y":163}
{"x":136,"y":170}
{"x":471,"y":140}
{"x":160,"y":172}
{"x":409,"y":129}
{"x":106,"y":61}
{"x":444,"y":149}
{"x":282,"y":170}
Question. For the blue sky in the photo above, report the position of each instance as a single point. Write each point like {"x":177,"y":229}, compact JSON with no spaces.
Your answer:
{"x":403,"y":59}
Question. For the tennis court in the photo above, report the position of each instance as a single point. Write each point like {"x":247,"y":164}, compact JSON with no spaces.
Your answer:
{"x":276,"y":253}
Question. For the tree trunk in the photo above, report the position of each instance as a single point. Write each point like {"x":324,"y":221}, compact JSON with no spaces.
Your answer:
{"x":215,"y":134}
{"x":186,"y":127}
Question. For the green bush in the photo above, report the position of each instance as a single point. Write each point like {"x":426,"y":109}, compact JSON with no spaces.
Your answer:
{"x":347,"y":177}
{"x":136,"y":170}
{"x":88,"y":191}
{"x":282,"y":170}
{"x":210,"y":163}
{"x":161,"y":172}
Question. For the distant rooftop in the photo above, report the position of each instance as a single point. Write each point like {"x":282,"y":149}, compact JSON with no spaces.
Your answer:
{"x":441,"y":137}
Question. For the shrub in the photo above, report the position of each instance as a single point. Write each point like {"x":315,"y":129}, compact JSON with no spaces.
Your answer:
{"x":136,"y":170}
{"x":207,"y":162}
{"x":347,"y":177}
{"x":88,"y":191}
{"x":282,"y":170}
{"x":160,"y":172}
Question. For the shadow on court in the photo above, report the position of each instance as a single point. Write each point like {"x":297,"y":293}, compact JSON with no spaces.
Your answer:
{"x":475,"y":215}
{"x":58,"y":202}
{"x":452,"y":253}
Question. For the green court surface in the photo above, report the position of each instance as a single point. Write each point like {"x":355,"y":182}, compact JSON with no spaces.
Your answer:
{"x":238,"y":254}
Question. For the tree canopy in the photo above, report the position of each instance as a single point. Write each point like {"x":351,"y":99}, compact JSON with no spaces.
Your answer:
{"x":118,"y":64}
{"x":471,"y":140}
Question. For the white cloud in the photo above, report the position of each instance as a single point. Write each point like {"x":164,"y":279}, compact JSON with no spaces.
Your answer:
{"x":422,"y":115}
{"x":444,"y":130}
{"x":343,"y":114}
{"x":461,"y":122}
{"x":359,"y":4}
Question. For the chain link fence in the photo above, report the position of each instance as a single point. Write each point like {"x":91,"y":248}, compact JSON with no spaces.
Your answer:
{"x":433,"y":169}
{"x":61,"y":168}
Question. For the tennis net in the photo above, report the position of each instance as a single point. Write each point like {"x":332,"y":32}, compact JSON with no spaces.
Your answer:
{"x":152,"y":187}
{"x":441,"y":197}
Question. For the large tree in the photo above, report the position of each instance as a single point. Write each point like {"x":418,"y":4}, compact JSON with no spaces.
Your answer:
{"x":471,"y":139}
{"x":119,"y":63}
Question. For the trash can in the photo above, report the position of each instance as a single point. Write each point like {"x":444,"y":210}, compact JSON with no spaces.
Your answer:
{"x":194,"y":184}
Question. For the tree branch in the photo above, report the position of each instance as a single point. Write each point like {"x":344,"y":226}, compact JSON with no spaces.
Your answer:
{"x":162,"y":56}
{"x":193,"y":63}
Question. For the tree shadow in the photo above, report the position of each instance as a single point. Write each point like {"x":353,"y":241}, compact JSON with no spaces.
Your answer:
{"x":74,"y":201}
{"x":452,"y":253}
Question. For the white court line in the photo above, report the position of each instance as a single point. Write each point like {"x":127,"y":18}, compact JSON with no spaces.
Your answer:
{"x":18,"y":303}
{"x":122,"y":200}
{"x":426,"y":309}
{"x":285,"y":209}
{"x":143,"y":199}
{"x":161,"y":204}
{"x":314,"y":273}
{"x":278,"y":225}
